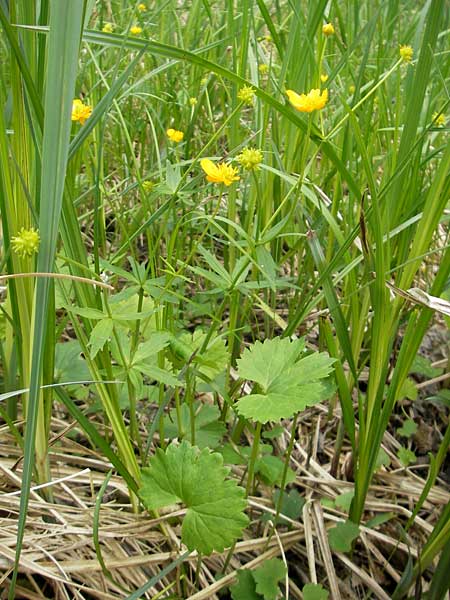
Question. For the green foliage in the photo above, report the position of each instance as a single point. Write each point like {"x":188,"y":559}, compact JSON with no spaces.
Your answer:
{"x":343,"y":535}
{"x":314,"y":591}
{"x":287,"y":383}
{"x":408,"y":428}
{"x":209,"y":430}
{"x":270,"y":469}
{"x":245,"y":588}
{"x":215,"y":517}
{"x":406,"y":456}
{"x":268,"y":576}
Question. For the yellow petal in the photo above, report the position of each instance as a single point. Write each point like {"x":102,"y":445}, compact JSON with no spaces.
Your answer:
{"x":210,"y":169}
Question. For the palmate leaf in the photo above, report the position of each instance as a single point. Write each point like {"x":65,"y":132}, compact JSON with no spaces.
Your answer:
{"x":215,"y":517}
{"x":287,"y":383}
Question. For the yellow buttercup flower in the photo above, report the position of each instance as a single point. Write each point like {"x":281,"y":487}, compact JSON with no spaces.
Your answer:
{"x":193,"y":101}
{"x":108,"y":28}
{"x":135,"y":30}
{"x":220,"y":173}
{"x":246,"y":94}
{"x":406,"y":53}
{"x":80,"y":112}
{"x":250,"y":158}
{"x":263,"y":68}
{"x":174,"y":135}
{"x":439,"y":119}
{"x":314,"y":100}
{"x":328,"y":29}
{"x":26,"y":243}
{"x":141,"y":7}
{"x":324,"y":77}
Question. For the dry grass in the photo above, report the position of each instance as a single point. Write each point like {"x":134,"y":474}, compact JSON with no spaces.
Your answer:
{"x":59,"y":558}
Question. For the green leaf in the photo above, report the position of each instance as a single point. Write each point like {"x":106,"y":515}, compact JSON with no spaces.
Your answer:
{"x":161,"y":375}
{"x":288,"y":383}
{"x":245,"y":588}
{"x":157,"y":342}
{"x":264,"y":362}
{"x":100,"y":335}
{"x":408,"y":390}
{"x":291,"y":506}
{"x":69,"y":364}
{"x":209,"y":430}
{"x":343,"y":501}
{"x":270,"y":468}
{"x":267,"y":577}
{"x":383,"y":459}
{"x":408,"y":428}
{"x":341,"y":537}
{"x":270,"y":434}
{"x":422,"y":366}
{"x":215,"y":517}
{"x":314,"y":591}
{"x":406,"y":456}
{"x":380,"y":519}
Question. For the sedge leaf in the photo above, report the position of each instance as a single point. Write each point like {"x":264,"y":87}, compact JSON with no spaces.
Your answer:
{"x":215,"y":517}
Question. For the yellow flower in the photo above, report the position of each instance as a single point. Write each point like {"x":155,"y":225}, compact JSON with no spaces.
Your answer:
{"x":406,"y":53}
{"x":26,"y":243}
{"x":220,"y":173}
{"x":250,"y":158}
{"x":80,"y":112}
{"x":174,"y":135}
{"x":141,"y":7}
{"x":314,"y":100}
{"x":246,"y":94}
{"x":192,"y":101}
{"x":135,"y":30}
{"x":351,"y":89}
{"x":328,"y":29}
{"x":108,"y":28}
{"x":148,"y":186}
{"x":324,"y":77}
{"x":439,"y":119}
{"x":263,"y":68}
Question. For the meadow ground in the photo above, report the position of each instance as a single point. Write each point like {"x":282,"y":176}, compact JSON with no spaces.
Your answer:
{"x":225,"y":299}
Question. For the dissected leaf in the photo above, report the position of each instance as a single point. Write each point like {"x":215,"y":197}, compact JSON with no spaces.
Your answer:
{"x":342,"y":536}
{"x":215,"y":517}
{"x":245,"y":588}
{"x":209,"y":430}
{"x":267,"y":577}
{"x":408,"y":428}
{"x":287,"y":383}
{"x":314,"y":591}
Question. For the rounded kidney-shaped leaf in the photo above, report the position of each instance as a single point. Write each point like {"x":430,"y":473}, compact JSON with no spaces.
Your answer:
{"x":182,"y":473}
